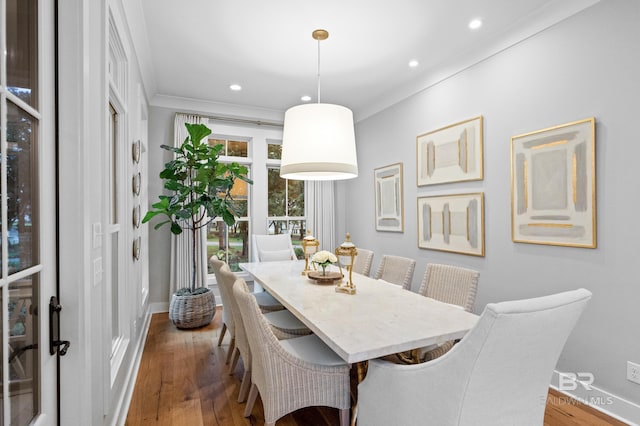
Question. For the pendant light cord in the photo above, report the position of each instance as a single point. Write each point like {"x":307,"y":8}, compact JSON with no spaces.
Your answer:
{"x":318,"y":70}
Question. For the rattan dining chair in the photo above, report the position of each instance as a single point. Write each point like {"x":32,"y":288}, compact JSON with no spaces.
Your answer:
{"x":290,"y":374}
{"x":363,"y":261}
{"x":499,"y":374}
{"x":228,"y":322}
{"x":449,"y":284}
{"x":396,"y":270}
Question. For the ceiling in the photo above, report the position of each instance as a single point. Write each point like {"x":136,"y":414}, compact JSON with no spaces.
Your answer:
{"x":197,"y":48}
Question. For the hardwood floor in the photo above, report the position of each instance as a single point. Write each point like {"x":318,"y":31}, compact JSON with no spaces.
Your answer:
{"x":183,"y":380}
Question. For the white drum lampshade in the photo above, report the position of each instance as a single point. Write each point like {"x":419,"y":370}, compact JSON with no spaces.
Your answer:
{"x":318,"y":143}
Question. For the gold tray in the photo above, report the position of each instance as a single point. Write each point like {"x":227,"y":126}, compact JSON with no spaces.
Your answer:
{"x":329,"y":278}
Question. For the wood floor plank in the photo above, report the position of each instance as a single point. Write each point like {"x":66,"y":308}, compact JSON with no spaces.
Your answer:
{"x":183,"y":380}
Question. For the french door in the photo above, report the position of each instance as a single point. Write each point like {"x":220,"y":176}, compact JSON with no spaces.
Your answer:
{"x":27,"y":212}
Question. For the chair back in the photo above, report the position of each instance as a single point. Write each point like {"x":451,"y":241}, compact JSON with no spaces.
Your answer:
{"x":262,"y":341}
{"x":396,"y":270}
{"x":363,"y":261}
{"x":267,"y":248}
{"x":450,"y":284}
{"x":499,"y":374}
{"x":227,"y":317}
{"x":227,"y":279}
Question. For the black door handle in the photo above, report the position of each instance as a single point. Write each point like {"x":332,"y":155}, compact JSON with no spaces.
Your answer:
{"x":55,"y":344}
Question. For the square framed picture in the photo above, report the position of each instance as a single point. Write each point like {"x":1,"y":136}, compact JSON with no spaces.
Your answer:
{"x":452,"y":223}
{"x":389,"y":198}
{"x":553,"y":186}
{"x":450,"y":154}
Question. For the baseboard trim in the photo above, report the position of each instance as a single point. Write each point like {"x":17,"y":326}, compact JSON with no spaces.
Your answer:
{"x":158,"y":307}
{"x":599,"y":399}
{"x":121,"y":416}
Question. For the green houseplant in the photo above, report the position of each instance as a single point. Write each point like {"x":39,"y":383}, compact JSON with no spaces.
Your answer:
{"x":200,"y":188}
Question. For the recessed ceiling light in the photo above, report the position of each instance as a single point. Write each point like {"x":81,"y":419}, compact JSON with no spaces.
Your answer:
{"x":305,"y":98}
{"x":235,"y":87}
{"x":474,"y":24}
{"x":413,"y":63}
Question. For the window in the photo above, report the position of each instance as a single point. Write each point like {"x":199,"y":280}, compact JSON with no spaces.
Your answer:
{"x":231,"y":244}
{"x":285,"y":199}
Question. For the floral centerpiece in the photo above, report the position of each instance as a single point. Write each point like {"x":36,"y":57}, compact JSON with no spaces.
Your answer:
{"x":324,"y":258}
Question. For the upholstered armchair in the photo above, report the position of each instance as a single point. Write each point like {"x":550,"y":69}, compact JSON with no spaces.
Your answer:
{"x":363,"y":261}
{"x":227,"y":318}
{"x":499,"y":373}
{"x":396,"y":270}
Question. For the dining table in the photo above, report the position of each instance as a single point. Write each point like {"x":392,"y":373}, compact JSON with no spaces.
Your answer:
{"x":379,"y":319}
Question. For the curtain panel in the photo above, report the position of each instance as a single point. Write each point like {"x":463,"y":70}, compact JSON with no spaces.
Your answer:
{"x":181,"y":245}
{"x":319,"y":201}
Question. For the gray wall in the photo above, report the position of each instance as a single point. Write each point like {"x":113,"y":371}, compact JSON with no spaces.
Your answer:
{"x":588,"y":65}
{"x":160,"y":132}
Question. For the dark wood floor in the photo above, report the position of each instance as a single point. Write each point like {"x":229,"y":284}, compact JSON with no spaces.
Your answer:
{"x":183,"y":380}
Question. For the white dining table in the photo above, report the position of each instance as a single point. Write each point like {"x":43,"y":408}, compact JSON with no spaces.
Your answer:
{"x":380,"y":319}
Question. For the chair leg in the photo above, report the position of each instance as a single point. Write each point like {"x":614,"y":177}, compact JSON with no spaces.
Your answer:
{"x":234,"y":361}
{"x":222,"y":332}
{"x":253,"y":394}
{"x":244,"y":386}
{"x":232,"y":346}
{"x":344,"y":417}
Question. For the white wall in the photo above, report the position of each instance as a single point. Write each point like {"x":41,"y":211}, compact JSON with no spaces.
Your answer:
{"x":88,"y":393}
{"x":588,"y":65}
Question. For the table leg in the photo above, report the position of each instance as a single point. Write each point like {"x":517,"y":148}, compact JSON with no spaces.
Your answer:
{"x":359,"y":372}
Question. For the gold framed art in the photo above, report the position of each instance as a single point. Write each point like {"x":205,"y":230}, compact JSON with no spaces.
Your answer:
{"x":389,"y":198}
{"x":453,"y":223}
{"x":450,"y":154}
{"x":553,"y":186}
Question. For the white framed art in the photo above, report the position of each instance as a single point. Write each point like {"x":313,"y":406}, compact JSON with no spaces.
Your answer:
{"x":450,"y":154}
{"x":389,"y":198}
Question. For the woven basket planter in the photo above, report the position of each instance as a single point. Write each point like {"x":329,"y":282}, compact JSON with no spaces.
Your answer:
{"x":192,"y":310}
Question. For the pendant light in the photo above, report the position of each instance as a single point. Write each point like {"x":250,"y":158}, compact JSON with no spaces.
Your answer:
{"x":318,"y":141}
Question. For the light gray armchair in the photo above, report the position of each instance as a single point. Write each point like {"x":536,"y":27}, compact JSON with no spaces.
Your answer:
{"x":499,"y":373}
{"x":227,"y":318}
{"x":450,"y":284}
{"x":363,"y":261}
{"x":396,"y":270}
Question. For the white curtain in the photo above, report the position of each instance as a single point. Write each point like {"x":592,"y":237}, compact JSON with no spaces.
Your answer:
{"x":319,"y":202}
{"x":181,"y":249}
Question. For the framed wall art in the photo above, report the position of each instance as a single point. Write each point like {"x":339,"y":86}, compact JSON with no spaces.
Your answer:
{"x":553,"y":186}
{"x":452,"y":223}
{"x":450,"y":154}
{"x":389,"y":198}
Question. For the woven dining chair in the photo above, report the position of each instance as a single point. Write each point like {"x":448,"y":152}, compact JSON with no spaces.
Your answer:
{"x":363,"y":261}
{"x":290,"y":374}
{"x":396,"y":270}
{"x":228,"y":322}
{"x":449,"y":284}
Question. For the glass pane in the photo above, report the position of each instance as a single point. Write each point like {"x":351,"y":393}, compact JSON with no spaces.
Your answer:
{"x":298,"y":231}
{"x":276,"y":193}
{"x":216,"y":241}
{"x":22,"y":49}
{"x":295,"y":198}
{"x":214,"y":142}
{"x":115,"y":313}
{"x":21,"y":185}
{"x":277,"y":227}
{"x":240,"y":195}
{"x":113,"y":164}
{"x":23,"y":350}
{"x":238,"y":148}
{"x":274,"y":151}
{"x":238,"y":250}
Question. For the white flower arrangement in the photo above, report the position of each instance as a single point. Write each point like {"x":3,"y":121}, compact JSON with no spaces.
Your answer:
{"x":324,"y":258}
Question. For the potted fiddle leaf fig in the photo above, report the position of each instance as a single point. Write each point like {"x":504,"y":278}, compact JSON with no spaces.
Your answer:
{"x":200,"y":191}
